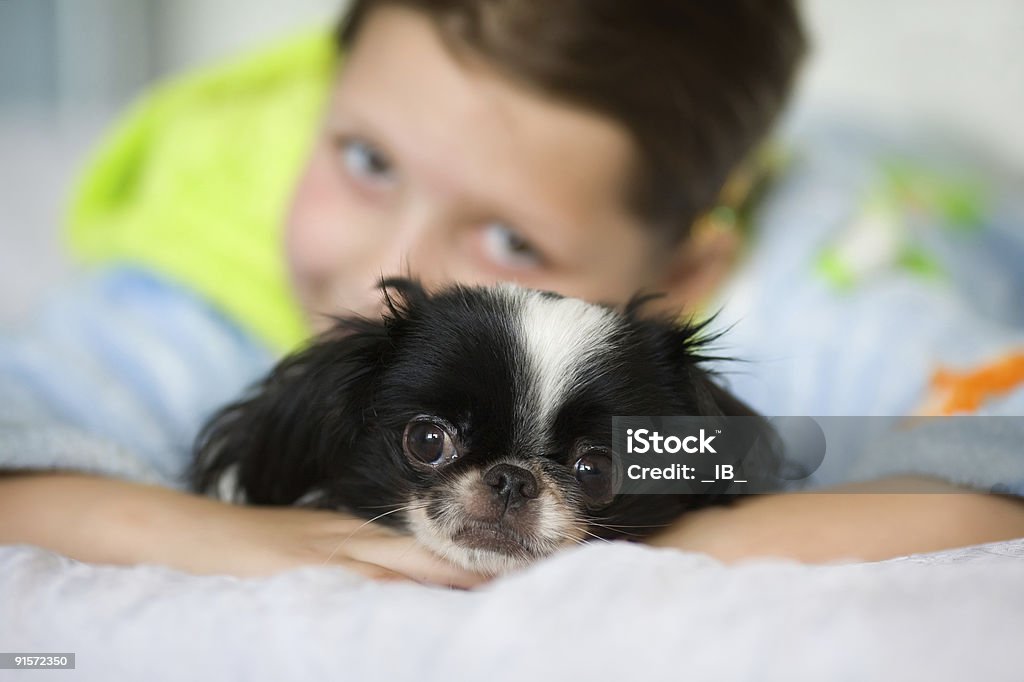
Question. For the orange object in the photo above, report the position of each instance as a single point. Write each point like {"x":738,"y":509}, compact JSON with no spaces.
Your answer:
{"x":959,"y":392}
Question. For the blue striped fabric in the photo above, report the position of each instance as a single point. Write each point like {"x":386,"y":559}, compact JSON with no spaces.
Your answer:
{"x":116,"y":374}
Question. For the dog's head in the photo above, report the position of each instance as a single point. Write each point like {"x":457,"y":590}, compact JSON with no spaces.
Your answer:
{"x":478,"y":419}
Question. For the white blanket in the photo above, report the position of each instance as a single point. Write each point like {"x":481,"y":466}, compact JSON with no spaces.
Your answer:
{"x":602,"y":612}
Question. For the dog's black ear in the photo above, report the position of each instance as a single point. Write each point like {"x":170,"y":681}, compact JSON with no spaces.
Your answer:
{"x":685,"y":344}
{"x":402,"y":295}
{"x":280,"y":440}
{"x":286,"y":435}
{"x":291,"y":432}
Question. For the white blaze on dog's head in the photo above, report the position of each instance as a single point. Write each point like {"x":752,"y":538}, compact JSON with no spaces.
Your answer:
{"x":562,"y":337}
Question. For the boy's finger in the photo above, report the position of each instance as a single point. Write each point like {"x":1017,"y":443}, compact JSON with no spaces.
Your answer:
{"x":374,"y":571}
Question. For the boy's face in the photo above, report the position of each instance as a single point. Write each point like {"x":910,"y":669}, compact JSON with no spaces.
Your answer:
{"x":443,"y":169}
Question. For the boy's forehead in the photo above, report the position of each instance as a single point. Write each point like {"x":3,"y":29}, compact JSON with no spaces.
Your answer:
{"x":467,"y":131}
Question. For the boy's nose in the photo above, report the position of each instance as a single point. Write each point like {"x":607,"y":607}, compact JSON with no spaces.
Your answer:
{"x":417,"y":248}
{"x":412,"y":245}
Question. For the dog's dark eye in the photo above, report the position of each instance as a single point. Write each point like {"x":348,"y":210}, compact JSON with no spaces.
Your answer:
{"x":429,"y":443}
{"x":595,"y":473}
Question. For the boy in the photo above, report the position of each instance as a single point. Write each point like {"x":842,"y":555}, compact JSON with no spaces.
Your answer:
{"x":566,"y":146}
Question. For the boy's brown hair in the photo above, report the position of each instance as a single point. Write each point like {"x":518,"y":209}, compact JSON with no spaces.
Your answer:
{"x":697,"y":83}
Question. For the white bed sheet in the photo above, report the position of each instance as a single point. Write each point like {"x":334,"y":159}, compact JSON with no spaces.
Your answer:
{"x":601,"y":612}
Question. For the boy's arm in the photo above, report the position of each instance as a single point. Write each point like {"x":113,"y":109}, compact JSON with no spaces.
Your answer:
{"x":103,"y":520}
{"x":848,"y":523}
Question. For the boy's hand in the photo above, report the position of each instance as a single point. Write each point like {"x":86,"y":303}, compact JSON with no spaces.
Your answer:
{"x":851,"y":522}
{"x":103,"y":520}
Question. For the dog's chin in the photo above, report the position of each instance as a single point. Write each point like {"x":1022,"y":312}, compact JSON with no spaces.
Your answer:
{"x":490,"y":551}
{"x":487,"y":548}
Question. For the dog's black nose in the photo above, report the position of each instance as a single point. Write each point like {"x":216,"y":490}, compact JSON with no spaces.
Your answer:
{"x":513,"y":484}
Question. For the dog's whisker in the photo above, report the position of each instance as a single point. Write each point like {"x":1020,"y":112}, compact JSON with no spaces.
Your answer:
{"x":573,"y":539}
{"x":382,"y":506}
{"x":597,"y":519}
{"x":596,"y":537}
{"x":361,"y":526}
{"x":621,"y":532}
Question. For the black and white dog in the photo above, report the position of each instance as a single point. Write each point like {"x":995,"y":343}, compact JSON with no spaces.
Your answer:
{"x":479,"y":417}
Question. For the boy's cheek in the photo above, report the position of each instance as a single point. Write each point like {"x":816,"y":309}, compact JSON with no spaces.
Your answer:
{"x":312,"y":238}
{"x":313,"y":243}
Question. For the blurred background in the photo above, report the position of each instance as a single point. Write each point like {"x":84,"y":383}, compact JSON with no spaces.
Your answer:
{"x":68,"y":66}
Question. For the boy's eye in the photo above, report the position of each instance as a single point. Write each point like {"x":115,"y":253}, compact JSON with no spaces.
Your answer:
{"x":507,"y":248}
{"x":363,"y":161}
